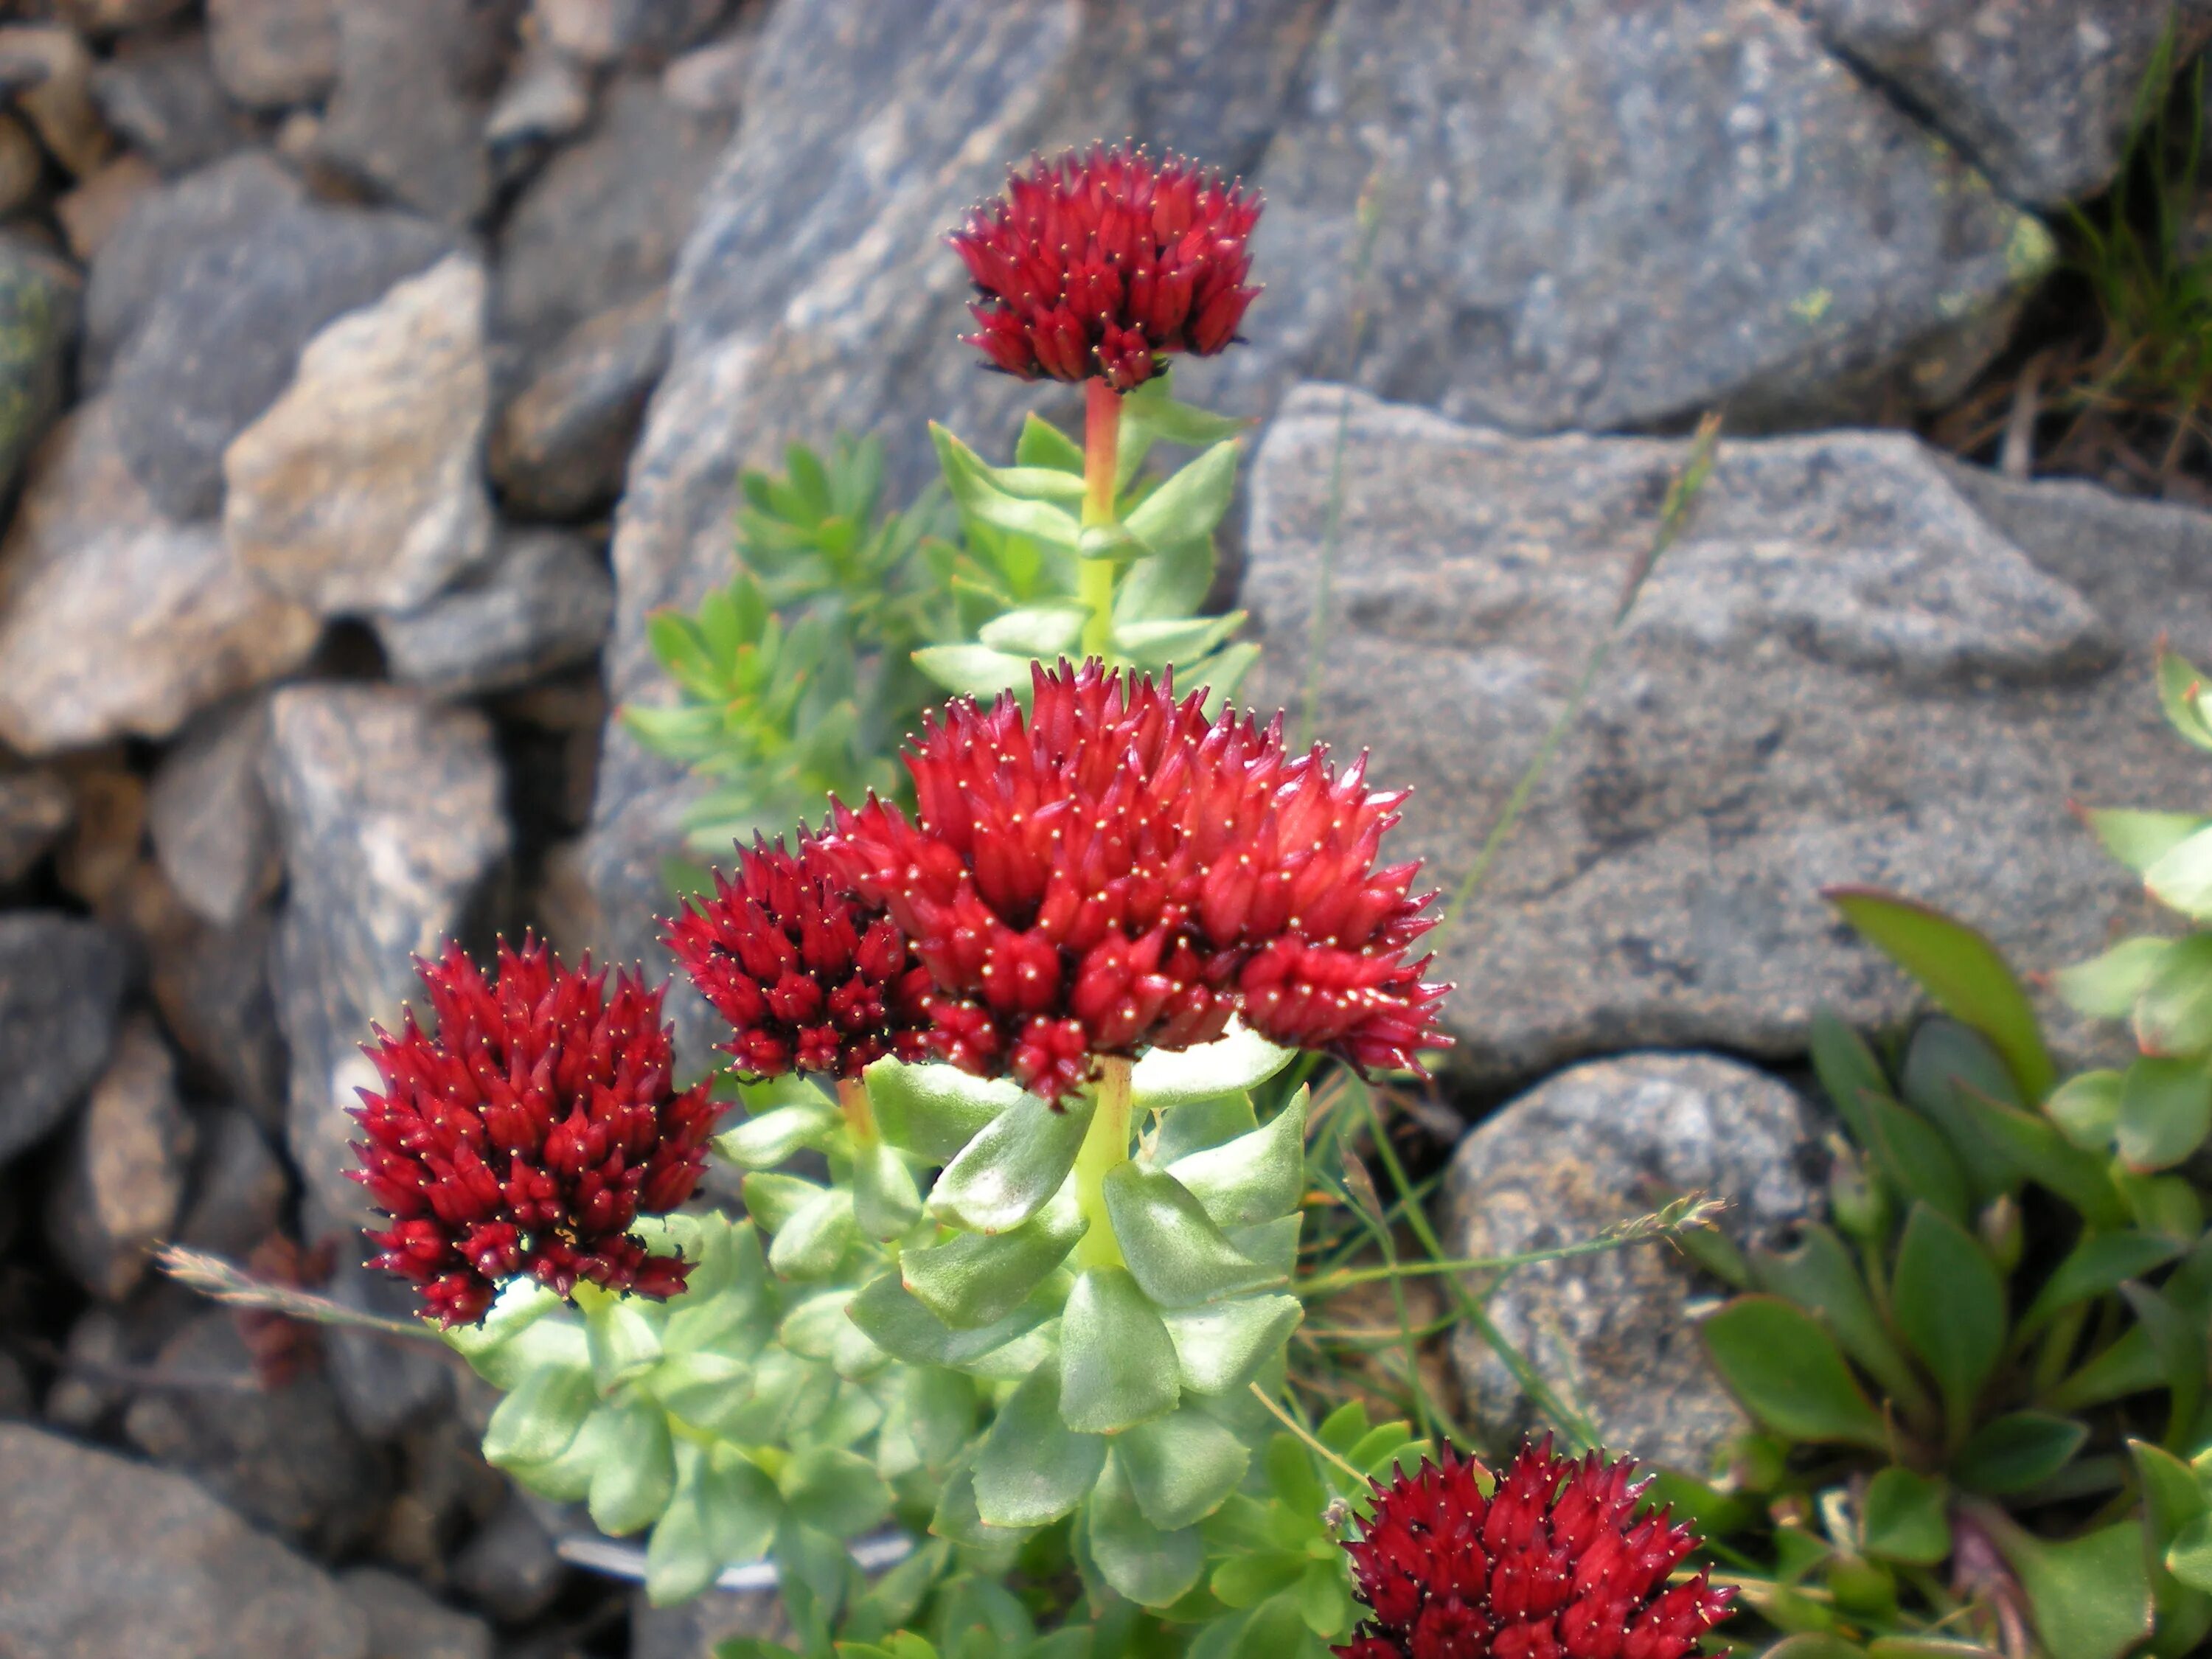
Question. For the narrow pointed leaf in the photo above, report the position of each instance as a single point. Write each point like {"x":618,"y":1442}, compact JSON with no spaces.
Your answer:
{"x":1172,"y":1247}
{"x":1255,"y":1178}
{"x":1786,"y":1369}
{"x":1949,"y":1305}
{"x":1188,"y":505}
{"x":2019,"y":1450}
{"x":974,"y":1278}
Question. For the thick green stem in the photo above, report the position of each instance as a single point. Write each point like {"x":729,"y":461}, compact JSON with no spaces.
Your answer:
{"x":1102,"y":448}
{"x":859,"y":1115}
{"x":1105,"y":1149}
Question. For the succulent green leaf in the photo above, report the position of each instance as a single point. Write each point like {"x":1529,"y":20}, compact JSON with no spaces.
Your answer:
{"x":941,"y":1412}
{"x":1196,"y":1125}
{"x":1171,"y":585}
{"x":1949,"y":1305}
{"x":1048,"y":631}
{"x":886,"y":1202}
{"x":1190,"y":504}
{"x":2096,"y":1267}
{"x":957,"y":1519}
{"x":1241,"y":1060}
{"x":1915,"y":1158}
{"x":973,"y":671}
{"x":2039,"y":1150}
{"x":701,"y":1387}
{"x":1786,"y":1369}
{"x":1032,"y":1468}
{"x":536,"y":1423}
{"x":934,"y":1110}
{"x":1272,"y":1244}
{"x":636,"y":1473}
{"x":2018,"y":1451}
{"x":1246,"y":1580}
{"x":517,"y":1339}
{"x":1848,"y":1070}
{"x":2181,"y":694}
{"x":833,"y":1491}
{"x":622,"y":1338}
{"x":2166,"y":1111}
{"x":973,"y":1280}
{"x":1814,"y":1645}
{"x":2090,"y":1595}
{"x":897,"y":1322}
{"x":1172,"y":1247}
{"x":2173,"y":1501}
{"x":2178,"y":1340}
{"x":2108,"y":987}
{"x":2139,"y":840}
{"x":1117,"y":1361}
{"x":1041,"y":483}
{"x":1255,"y":1178}
{"x":2189,"y":1558}
{"x":1180,"y":1466}
{"x":1222,"y":1346}
{"x":968,"y":480}
{"x":1962,"y":970}
{"x":1177,"y":642}
{"x":1820,"y":1274}
{"x":1945,"y":1063}
{"x":1908,"y":1518}
{"x":2087,"y":1110}
{"x":1013,"y":1166}
{"x":763,"y":1142}
{"x":722,"y":1513}
{"x":2174,"y":1016}
{"x":2160,"y":1203}
{"x":1150,"y":1565}
{"x":2182,"y":878}
{"x":772,"y":1199}
{"x":1043,"y":444}
{"x":815,"y":1237}
{"x":1151,"y":413}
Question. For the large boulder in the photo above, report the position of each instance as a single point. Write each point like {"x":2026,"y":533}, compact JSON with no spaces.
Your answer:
{"x":406,"y":117}
{"x":1842,"y":673}
{"x":101,"y":1557}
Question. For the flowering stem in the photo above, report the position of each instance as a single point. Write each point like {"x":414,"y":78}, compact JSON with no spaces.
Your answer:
{"x":1101,"y":446}
{"x":1105,"y":1149}
{"x":859,"y":1115}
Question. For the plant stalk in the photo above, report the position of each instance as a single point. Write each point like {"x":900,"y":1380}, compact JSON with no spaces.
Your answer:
{"x":1102,"y":455}
{"x":859,"y":1115}
{"x":1105,"y":1149}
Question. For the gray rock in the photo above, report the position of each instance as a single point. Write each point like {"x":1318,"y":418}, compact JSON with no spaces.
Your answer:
{"x":239,"y":1188}
{"x":1841,"y":673}
{"x":123,"y":1172}
{"x":268,"y":53}
{"x":209,"y":816}
{"x":542,"y":604}
{"x":389,"y":808}
{"x":164,"y":101}
{"x":815,"y":293}
{"x":510,"y":1568}
{"x":47,"y":70}
{"x":114,"y":618}
{"x":212,"y":985}
{"x":361,"y":487}
{"x":2039,"y":93}
{"x":605,"y":31}
{"x":107,"y":16}
{"x":220,"y":340}
{"x":16,"y":1400}
{"x":697,"y":1628}
{"x":545,"y":97}
{"x":601,"y":226}
{"x":102,"y":1556}
{"x":39,"y":302}
{"x":407,"y":115}
{"x":285,"y":1458}
{"x":711,"y":78}
{"x":1614,"y":1333}
{"x":22,"y":164}
{"x":560,"y":446}
{"x":204,"y":210}
{"x":61,"y":985}
{"x":407,"y":1622}
{"x":34,"y":808}
{"x":1593,"y":216}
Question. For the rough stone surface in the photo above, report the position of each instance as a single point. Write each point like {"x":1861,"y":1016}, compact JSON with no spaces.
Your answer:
{"x":1841,"y":673}
{"x":407,"y":115}
{"x":406,"y":1622}
{"x":34,"y":810}
{"x":605,"y":31}
{"x":696,"y":1628}
{"x":361,"y":487}
{"x":100,"y":1556}
{"x":1594,"y":216}
{"x":1594,"y":1146}
{"x":202,"y":210}
{"x":123,"y":1174}
{"x":95,"y":210}
{"x":509,"y":1568}
{"x":38,"y":306}
{"x":116,"y":619}
{"x":542,"y":604}
{"x":2039,"y":93}
{"x":389,"y":813}
{"x":48,"y":69}
{"x":212,"y":985}
{"x":815,"y":293}
{"x":545,"y":97}
{"x":212,"y":832}
{"x":23,"y":164}
{"x":560,"y":446}
{"x":285,"y":1458}
{"x":61,"y":985}
{"x":601,"y":226}
{"x":238,"y":1187}
{"x":268,"y":53}
{"x":164,"y":98}
{"x":220,"y":340}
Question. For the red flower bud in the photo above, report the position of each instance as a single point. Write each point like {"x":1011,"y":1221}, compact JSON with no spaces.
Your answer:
{"x":1098,"y":264}
{"x":1554,"y":1563}
{"x":527,"y":1132}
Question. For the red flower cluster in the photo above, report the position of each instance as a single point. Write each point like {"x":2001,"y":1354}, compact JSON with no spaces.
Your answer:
{"x":1095,"y":265}
{"x":1117,"y":872}
{"x":811,"y":978}
{"x":528,"y":1134}
{"x":1554,"y":1564}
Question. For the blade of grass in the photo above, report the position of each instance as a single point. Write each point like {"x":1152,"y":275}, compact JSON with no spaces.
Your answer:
{"x":225,"y":1282}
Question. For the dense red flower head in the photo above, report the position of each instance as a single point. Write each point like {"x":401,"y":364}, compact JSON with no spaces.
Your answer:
{"x":1555,"y":1564}
{"x":1116,"y":871}
{"x":812,"y":979}
{"x":1095,"y":264}
{"x":527,"y":1132}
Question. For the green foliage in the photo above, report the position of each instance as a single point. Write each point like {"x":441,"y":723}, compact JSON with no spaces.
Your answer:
{"x":1956,"y":1413}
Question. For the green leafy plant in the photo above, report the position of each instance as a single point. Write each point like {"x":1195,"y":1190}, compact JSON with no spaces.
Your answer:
{"x":1963,"y":1420}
